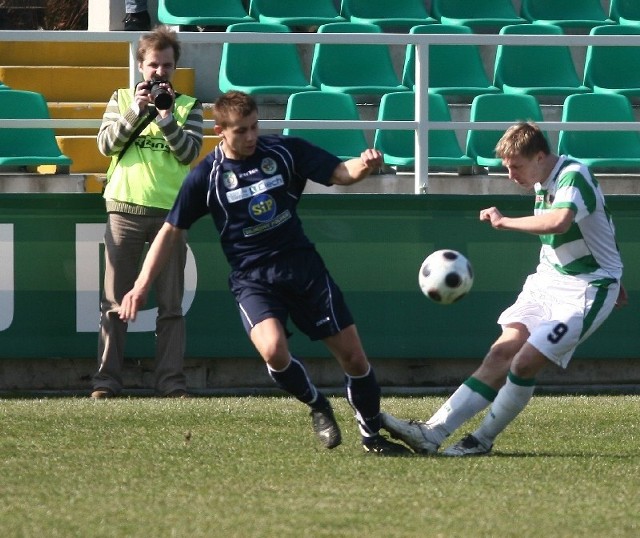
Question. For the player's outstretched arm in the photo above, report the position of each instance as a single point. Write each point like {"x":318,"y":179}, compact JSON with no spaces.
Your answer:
{"x":155,"y":260}
{"x":557,"y":221}
{"x":354,"y":170}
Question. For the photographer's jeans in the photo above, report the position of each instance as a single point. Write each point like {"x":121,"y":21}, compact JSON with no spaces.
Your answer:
{"x":125,"y":239}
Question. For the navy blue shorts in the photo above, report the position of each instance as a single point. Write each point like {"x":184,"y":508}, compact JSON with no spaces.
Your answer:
{"x":296,"y":286}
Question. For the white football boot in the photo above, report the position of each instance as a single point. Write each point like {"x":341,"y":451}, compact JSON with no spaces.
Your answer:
{"x":467,"y":446}
{"x":413,"y":432}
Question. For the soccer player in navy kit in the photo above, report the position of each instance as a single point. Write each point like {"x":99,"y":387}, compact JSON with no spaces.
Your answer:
{"x":251,"y":185}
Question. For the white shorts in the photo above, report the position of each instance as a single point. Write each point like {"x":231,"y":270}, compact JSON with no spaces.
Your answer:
{"x":560,"y":312}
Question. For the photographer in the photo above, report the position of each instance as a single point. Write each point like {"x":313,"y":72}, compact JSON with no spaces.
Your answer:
{"x":152,"y":135}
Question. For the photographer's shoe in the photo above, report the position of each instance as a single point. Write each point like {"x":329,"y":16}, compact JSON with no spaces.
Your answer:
{"x":137,"y":22}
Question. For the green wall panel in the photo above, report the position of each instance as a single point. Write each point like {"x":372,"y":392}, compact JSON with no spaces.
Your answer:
{"x":372,"y":244}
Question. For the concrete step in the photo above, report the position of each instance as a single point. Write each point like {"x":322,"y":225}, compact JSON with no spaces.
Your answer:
{"x":77,"y":111}
{"x":45,"y":53}
{"x":80,"y":84}
{"x":83,"y":151}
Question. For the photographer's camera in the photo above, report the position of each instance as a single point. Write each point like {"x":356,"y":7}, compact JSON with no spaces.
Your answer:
{"x":162,"y":97}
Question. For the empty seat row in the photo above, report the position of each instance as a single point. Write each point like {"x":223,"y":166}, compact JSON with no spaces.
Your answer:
{"x":276,"y":68}
{"x":598,"y":148}
{"x":399,"y":13}
{"x":33,"y":147}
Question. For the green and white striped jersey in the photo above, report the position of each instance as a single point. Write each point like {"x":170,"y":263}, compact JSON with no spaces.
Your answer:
{"x":588,"y":249}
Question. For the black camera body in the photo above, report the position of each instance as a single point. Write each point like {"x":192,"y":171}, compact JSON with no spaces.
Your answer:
{"x":162,"y":98}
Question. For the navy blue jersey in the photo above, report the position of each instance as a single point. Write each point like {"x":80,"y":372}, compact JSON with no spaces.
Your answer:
{"x":253,"y":201}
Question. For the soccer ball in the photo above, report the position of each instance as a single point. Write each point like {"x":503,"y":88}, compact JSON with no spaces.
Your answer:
{"x":445,"y":276}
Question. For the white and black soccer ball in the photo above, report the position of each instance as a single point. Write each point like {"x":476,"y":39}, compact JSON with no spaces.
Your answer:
{"x":445,"y":276}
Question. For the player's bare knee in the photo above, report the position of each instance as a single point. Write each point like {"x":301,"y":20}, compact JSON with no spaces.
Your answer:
{"x":354,"y":364}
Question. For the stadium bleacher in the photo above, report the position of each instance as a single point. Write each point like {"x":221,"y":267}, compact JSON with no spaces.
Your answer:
{"x":566,"y":14}
{"x":198,"y":13}
{"x":536,"y":70}
{"x":319,"y":105}
{"x":453,"y":69}
{"x":600,"y":149}
{"x":356,"y":68}
{"x":64,"y":72}
{"x":613,"y":69}
{"x":293,"y":13}
{"x":398,"y":146}
{"x":261,"y":68}
{"x":27,"y":147}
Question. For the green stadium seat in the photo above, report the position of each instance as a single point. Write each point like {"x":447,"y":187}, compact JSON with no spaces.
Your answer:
{"x":357,"y":68}
{"x":261,"y":68}
{"x":30,"y":147}
{"x":318,"y":105}
{"x":611,"y":68}
{"x":294,"y":12}
{"x":625,"y":12}
{"x":497,"y":107}
{"x":202,"y":12}
{"x":565,"y":13}
{"x":398,"y":146}
{"x":383,"y":13}
{"x":453,"y":69}
{"x":536,"y":69}
{"x":476,"y":13}
{"x":600,"y":149}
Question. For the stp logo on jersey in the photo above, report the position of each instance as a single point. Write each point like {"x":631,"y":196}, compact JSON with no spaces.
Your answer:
{"x":262,"y":207}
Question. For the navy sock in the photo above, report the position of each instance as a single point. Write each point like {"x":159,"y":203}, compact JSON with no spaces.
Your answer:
{"x":363,"y":394}
{"x":294,"y":380}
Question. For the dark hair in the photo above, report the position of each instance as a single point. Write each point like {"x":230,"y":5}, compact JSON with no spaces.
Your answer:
{"x":232,"y":102}
{"x":522,"y":139}
{"x":162,"y":37}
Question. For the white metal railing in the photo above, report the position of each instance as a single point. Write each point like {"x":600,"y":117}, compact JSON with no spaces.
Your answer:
{"x":420,"y":124}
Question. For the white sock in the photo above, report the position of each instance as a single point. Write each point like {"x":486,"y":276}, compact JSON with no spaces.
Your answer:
{"x":512,"y":398}
{"x":468,"y":400}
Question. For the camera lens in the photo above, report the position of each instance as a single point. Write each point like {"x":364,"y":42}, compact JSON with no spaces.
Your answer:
{"x":162,"y":98}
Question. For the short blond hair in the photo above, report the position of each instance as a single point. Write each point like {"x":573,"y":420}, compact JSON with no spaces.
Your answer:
{"x":522,"y":139}
{"x":233,"y":102}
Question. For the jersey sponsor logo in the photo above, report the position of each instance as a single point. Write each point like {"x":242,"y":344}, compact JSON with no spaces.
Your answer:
{"x":268,"y":165}
{"x":230,"y":180}
{"x":261,"y":186}
{"x":250,"y":231}
{"x":262,"y":207}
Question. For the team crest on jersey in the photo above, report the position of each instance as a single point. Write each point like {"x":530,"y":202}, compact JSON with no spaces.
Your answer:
{"x":229,"y":180}
{"x":268,"y":165}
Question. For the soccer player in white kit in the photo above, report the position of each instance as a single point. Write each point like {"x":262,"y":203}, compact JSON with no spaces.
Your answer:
{"x":574,"y":289}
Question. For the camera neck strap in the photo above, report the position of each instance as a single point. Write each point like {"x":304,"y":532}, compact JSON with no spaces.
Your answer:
{"x":152,"y":115}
